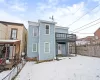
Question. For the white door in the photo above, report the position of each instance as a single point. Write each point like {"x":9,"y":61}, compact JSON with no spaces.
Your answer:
{"x":59,"y":49}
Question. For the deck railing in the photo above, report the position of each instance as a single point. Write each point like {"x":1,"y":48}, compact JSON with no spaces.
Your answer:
{"x":69,"y":37}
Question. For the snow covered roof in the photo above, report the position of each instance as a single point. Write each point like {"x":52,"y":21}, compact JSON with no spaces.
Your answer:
{"x":9,"y":41}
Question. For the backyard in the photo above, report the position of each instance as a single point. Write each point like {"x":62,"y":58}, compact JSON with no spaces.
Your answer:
{"x":68,"y":68}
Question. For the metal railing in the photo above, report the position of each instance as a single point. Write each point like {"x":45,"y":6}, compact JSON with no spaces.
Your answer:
{"x":14,"y":71}
{"x":69,"y":37}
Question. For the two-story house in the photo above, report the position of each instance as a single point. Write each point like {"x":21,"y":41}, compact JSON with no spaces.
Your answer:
{"x":14,"y":31}
{"x":46,"y":40}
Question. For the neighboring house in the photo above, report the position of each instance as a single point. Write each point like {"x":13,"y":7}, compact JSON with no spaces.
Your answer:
{"x":46,"y":40}
{"x":14,"y":31}
{"x":3,"y":34}
{"x":86,"y":40}
{"x":97,"y":36}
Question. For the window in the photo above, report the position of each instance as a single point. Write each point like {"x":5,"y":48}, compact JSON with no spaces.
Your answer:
{"x":46,"y":47}
{"x":35,"y":32}
{"x":47,"y":29}
{"x":34,"y":48}
{"x":13,"y":33}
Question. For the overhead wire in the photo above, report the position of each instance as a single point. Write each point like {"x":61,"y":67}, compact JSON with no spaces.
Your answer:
{"x":83,"y":15}
{"x":85,"y":25}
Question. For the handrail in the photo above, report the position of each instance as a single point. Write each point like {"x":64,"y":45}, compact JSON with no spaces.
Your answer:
{"x":8,"y":74}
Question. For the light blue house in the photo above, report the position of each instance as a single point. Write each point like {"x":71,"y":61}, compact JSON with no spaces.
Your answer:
{"x":46,"y":40}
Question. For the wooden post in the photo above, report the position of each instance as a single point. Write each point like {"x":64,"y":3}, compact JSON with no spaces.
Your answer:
{"x":13,"y":51}
{"x":6,"y":52}
{"x":19,"y":49}
{"x":75,"y":49}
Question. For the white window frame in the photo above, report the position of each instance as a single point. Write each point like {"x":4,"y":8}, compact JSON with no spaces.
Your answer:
{"x":33,"y":33}
{"x":49,"y":29}
{"x":44,"y":47}
{"x":36,"y":47}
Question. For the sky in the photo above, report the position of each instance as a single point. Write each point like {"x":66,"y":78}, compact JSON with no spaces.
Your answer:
{"x":64,"y":12}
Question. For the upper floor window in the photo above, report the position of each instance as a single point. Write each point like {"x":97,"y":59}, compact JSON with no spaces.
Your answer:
{"x":35,"y":31}
{"x":47,"y":29}
{"x":13,"y":33}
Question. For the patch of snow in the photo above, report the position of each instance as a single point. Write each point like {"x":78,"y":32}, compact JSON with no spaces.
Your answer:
{"x":4,"y":73}
{"x":69,"y":68}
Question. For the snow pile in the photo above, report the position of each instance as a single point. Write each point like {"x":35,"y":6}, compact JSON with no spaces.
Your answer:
{"x":73,"y":68}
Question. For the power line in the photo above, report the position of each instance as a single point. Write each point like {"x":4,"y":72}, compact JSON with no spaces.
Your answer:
{"x":77,"y":10}
{"x":82,"y":16}
{"x":86,"y":25}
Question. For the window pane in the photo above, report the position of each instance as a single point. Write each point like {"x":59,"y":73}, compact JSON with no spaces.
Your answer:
{"x":47,"y":26}
{"x":34,"y":47}
{"x":35,"y":32}
{"x":47,"y":29}
{"x":47,"y":47}
{"x":13,"y":33}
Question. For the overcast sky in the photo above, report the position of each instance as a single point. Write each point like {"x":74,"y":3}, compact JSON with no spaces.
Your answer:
{"x":64,"y":12}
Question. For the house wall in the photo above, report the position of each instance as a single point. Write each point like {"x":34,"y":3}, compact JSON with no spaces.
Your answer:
{"x":97,"y":33}
{"x":3,"y":32}
{"x":24,"y":40}
{"x":63,"y":49}
{"x":61,"y":30}
{"x":19,"y":34}
{"x":31,"y":40}
{"x":46,"y":38}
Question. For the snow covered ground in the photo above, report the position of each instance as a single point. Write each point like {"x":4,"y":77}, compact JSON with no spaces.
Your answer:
{"x":73,"y":68}
{"x":4,"y":73}
{"x":9,"y":74}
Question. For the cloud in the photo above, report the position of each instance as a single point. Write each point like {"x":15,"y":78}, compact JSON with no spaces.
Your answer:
{"x":65,"y":15}
{"x":1,"y":1}
{"x":18,"y":5}
{"x":5,"y":16}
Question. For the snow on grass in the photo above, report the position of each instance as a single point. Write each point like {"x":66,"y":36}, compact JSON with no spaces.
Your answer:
{"x":73,"y":68}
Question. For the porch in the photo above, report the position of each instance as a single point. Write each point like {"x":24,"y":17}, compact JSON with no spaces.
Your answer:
{"x":62,"y":43}
{"x":9,"y":53}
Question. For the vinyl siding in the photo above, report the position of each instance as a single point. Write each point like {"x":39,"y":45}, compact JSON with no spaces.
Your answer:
{"x":46,"y":38}
{"x":32,"y":40}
